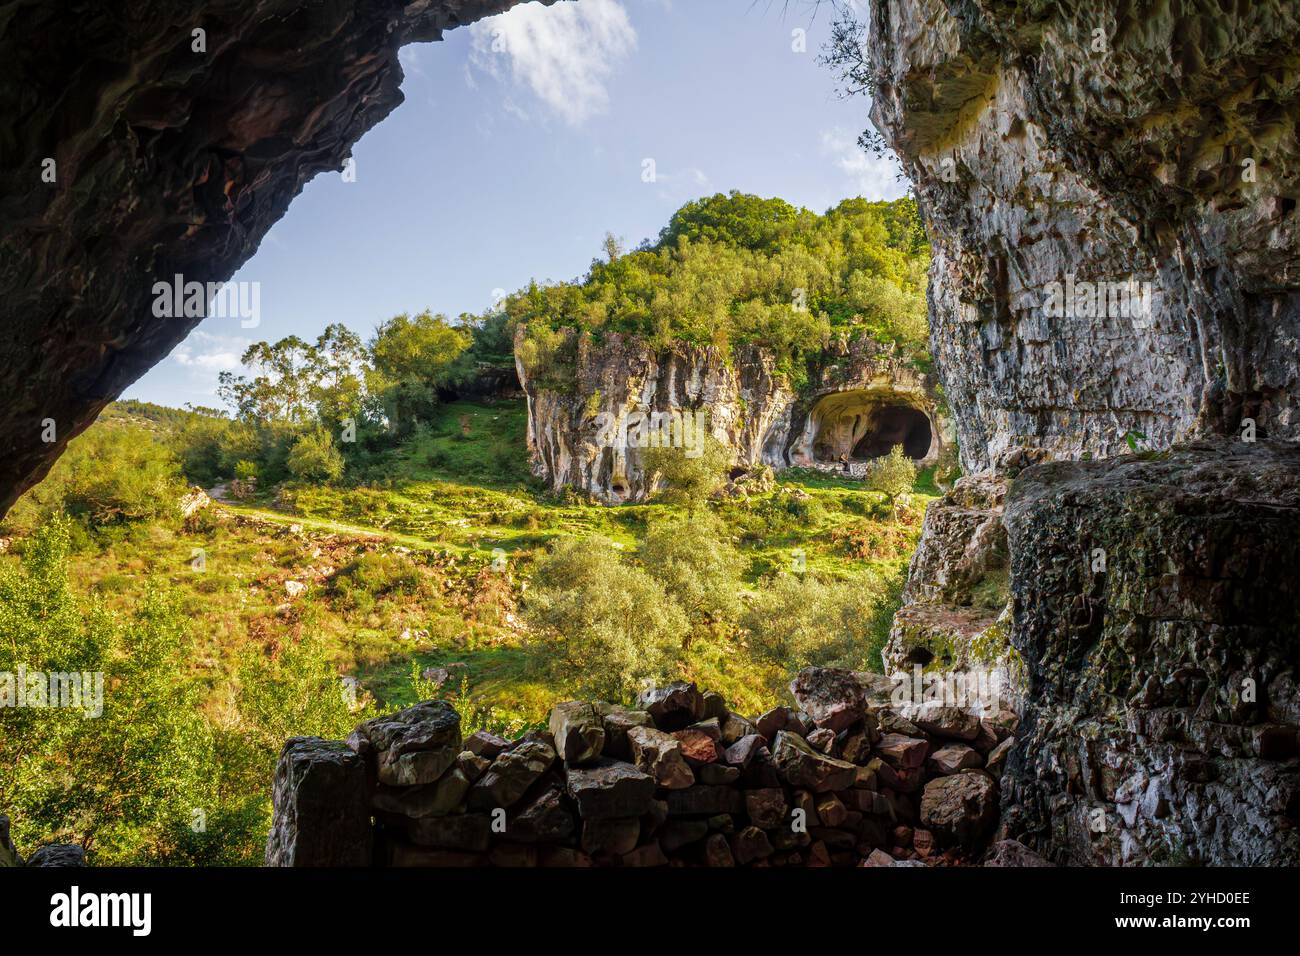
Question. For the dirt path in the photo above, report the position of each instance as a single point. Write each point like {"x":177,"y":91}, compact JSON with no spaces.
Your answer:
{"x":324,"y":524}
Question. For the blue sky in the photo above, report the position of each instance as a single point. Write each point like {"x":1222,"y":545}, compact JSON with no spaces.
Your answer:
{"x":522,"y":141}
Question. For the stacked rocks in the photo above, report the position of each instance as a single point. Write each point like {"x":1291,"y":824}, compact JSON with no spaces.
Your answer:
{"x":57,"y":854}
{"x":680,"y":779}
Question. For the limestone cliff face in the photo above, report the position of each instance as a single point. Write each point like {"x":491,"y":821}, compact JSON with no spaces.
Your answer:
{"x":133,"y":155}
{"x":1113,"y":143}
{"x":590,"y":414}
{"x":1109,"y":192}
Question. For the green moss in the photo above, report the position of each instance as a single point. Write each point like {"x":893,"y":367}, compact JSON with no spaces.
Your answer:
{"x":992,"y":590}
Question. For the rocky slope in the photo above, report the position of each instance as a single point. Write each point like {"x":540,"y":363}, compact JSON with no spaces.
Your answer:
{"x":588,"y":416}
{"x":1155,"y":608}
{"x":1110,"y":195}
{"x":132,"y":156}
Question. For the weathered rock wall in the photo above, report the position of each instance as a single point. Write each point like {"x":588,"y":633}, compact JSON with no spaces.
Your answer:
{"x":584,"y":408}
{"x":1155,"y":607}
{"x":1110,"y":142}
{"x":167,"y":161}
{"x":579,"y":422}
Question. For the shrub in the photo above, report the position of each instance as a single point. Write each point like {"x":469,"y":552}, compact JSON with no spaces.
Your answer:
{"x":111,"y":474}
{"x":802,"y":620}
{"x":614,"y":626}
{"x":694,"y":560}
{"x":892,"y":475}
{"x":315,"y":458}
{"x":688,"y":479}
{"x":123,"y":783}
{"x":375,"y":575}
{"x":297,"y":692}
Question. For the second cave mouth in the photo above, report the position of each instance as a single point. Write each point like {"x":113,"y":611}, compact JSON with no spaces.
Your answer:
{"x":855,"y":431}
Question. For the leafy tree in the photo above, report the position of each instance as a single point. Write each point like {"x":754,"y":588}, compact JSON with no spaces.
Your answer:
{"x":736,"y":269}
{"x":688,"y":479}
{"x":892,"y":475}
{"x":737,"y":218}
{"x":801,"y":620}
{"x":614,"y":625}
{"x":338,"y":368}
{"x":283,"y":389}
{"x":123,"y":783}
{"x":695,"y":561}
{"x":315,"y":457}
{"x":412,"y":357}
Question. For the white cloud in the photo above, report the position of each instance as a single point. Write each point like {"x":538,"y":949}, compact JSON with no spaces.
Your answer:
{"x":690,"y":183}
{"x":565,"y":54}
{"x":875,"y":177}
{"x":209,"y":353}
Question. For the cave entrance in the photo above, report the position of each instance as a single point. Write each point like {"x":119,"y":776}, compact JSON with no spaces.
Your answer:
{"x":855,"y":427}
{"x":895,"y":425}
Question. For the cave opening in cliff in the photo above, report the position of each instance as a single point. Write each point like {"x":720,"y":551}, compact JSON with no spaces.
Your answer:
{"x":895,"y":425}
{"x":859,"y":426}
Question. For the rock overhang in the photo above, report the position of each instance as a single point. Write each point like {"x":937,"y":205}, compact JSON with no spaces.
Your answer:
{"x":146,"y":143}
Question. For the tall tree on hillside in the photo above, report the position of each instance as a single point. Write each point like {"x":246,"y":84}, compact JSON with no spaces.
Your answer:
{"x":411,"y":357}
{"x":339,"y":368}
{"x":281,"y":392}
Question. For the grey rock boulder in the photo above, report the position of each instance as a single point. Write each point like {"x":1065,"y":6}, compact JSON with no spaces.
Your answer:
{"x":834,"y":698}
{"x":321,"y":806}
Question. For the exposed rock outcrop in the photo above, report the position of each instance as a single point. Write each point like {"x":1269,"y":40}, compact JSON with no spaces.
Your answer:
{"x":954,"y":623}
{"x":51,"y":855}
{"x":1112,"y":143}
{"x":136,"y":152}
{"x":322,"y":804}
{"x":1110,"y":195}
{"x":595,"y":406}
{"x":8,"y":852}
{"x":1156,"y":612}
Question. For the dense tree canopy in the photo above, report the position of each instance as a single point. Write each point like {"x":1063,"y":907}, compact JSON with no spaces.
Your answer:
{"x":737,"y":268}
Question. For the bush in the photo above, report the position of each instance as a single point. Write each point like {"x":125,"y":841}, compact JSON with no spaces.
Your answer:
{"x":375,"y":575}
{"x":615,"y":626}
{"x":123,"y":783}
{"x":315,"y":458}
{"x":111,"y":474}
{"x":687,"y":479}
{"x":696,"y":563}
{"x":802,"y":620}
{"x":293,"y":694}
{"x":892,"y":475}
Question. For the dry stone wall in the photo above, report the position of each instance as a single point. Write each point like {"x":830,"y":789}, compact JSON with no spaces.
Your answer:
{"x":850,"y":778}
